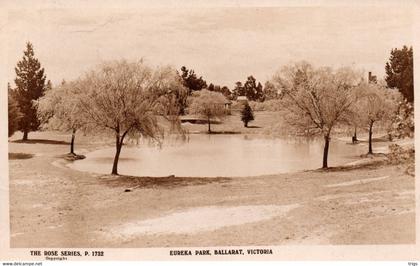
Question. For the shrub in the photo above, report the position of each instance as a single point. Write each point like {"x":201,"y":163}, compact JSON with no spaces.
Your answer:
{"x":403,"y":121}
{"x":270,"y":105}
{"x":247,"y":115}
{"x":399,"y":155}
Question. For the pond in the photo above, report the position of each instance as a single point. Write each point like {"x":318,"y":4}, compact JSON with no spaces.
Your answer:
{"x":221,"y":155}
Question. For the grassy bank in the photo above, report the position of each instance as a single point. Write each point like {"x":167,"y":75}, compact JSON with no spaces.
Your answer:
{"x":266,"y":123}
{"x":361,"y":204}
{"x":269,"y":123}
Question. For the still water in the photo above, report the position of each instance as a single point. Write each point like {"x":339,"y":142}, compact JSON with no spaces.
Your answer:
{"x":220,"y":155}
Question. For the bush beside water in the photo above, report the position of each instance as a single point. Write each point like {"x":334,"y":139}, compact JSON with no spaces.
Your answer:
{"x":404,"y":156}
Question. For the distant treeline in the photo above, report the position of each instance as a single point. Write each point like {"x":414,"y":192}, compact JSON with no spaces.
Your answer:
{"x":126,"y":99}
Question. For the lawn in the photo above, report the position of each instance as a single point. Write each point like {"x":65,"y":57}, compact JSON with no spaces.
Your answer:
{"x":373,"y":203}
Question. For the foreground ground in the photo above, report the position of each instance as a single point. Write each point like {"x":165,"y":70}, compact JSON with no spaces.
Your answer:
{"x":52,"y":205}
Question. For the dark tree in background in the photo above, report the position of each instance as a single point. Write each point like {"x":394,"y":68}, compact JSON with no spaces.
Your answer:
{"x":223,"y":90}
{"x":250,"y":89}
{"x":211,"y":87}
{"x":192,"y":83}
{"x":190,"y":80}
{"x":247,"y":114}
{"x":13,"y":111}
{"x":239,"y":90}
{"x":399,"y":72}
{"x":253,"y":91}
{"x":30,"y":85}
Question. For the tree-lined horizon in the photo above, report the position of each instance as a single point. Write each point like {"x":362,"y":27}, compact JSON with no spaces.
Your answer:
{"x":127,"y":99}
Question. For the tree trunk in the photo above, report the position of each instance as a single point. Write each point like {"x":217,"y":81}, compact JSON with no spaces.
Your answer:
{"x":370,"y":137}
{"x":118,"y":145}
{"x":246,"y":124}
{"x":208,"y":121}
{"x":25,"y":135}
{"x":73,"y":135}
{"x":355,"y":133}
{"x":326,"y":147}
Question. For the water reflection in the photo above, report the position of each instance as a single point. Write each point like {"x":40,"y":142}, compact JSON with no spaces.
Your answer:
{"x":220,"y":155}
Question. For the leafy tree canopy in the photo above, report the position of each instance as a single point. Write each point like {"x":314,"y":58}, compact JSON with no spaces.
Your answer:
{"x":30,"y":85}
{"x":129,"y":99}
{"x":247,"y":115}
{"x":191,"y":81}
{"x":399,"y":72}
{"x":14,"y":115}
{"x":251,"y":89}
{"x":316,"y":99}
{"x":208,"y":104}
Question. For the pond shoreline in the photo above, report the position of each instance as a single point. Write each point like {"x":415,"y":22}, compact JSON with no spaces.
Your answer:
{"x":230,"y":156}
{"x":79,"y":209}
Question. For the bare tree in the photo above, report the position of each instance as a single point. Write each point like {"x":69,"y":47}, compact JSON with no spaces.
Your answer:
{"x":60,"y":109}
{"x":353,"y":117}
{"x":128,"y":98}
{"x":316,"y":99}
{"x":378,"y":103}
{"x":208,"y":104}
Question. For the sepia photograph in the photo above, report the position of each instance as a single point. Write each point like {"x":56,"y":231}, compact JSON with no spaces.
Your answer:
{"x":208,"y":130}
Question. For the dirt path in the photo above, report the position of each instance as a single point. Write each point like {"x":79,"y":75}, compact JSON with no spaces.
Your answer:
{"x":54,"y":206}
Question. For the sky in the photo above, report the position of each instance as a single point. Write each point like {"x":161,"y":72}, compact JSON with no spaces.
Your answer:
{"x":222,"y":44}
